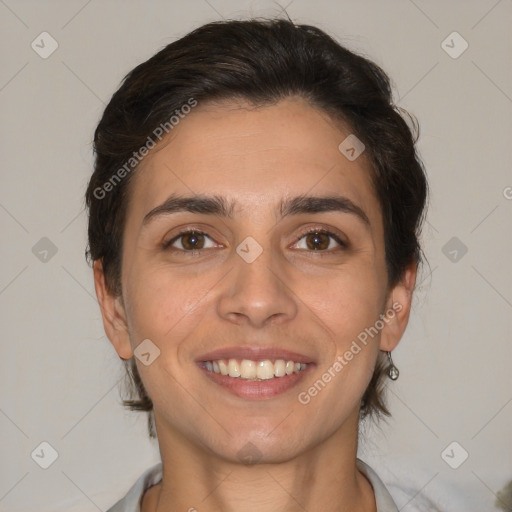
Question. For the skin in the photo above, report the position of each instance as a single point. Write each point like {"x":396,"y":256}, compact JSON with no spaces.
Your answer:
{"x":289,"y":297}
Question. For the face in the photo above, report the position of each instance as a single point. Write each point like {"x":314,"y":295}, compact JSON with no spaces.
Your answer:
{"x":259,"y":270}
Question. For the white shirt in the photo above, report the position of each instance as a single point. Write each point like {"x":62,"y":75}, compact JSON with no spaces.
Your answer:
{"x":152,"y":476}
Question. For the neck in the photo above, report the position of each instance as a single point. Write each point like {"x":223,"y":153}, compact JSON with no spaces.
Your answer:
{"x":323,"y":478}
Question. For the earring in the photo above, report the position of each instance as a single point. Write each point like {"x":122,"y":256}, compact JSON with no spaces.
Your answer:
{"x":392,"y":370}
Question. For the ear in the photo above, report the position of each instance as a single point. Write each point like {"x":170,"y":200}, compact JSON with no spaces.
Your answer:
{"x":113,"y":313}
{"x":398,"y":308}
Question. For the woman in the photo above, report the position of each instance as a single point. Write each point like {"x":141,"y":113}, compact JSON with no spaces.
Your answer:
{"x":254,"y":216}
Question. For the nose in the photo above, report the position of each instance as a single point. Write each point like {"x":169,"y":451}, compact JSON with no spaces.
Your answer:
{"x":257,"y":293}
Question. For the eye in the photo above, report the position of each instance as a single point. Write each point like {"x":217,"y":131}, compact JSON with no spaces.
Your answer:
{"x":315,"y":239}
{"x":190,"y":240}
{"x":319,"y":240}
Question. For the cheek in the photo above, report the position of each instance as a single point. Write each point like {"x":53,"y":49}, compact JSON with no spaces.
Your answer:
{"x":348,"y":305}
{"x":348,"y":308}
{"x":166,"y":309}
{"x":159,"y":301}
{"x":348,"y":301}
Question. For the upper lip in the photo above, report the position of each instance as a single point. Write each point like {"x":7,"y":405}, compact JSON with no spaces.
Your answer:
{"x":254,"y":354}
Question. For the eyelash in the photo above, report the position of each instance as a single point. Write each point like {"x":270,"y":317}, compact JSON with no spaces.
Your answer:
{"x":323,"y":231}
{"x":325,"y":252}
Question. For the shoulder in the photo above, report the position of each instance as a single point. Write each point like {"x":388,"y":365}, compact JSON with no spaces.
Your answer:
{"x":132,"y":500}
{"x":383,"y":498}
{"x":394,"y":493}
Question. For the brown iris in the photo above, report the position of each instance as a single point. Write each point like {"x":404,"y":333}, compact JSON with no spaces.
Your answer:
{"x":192,"y":241}
{"x":316,"y":241}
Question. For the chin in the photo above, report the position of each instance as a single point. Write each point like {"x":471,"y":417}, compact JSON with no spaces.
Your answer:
{"x":260,"y":448}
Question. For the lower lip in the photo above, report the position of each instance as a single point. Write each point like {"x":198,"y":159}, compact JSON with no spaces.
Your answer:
{"x":257,"y":389}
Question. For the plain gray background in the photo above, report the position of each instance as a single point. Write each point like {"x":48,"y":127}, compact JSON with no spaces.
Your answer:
{"x":59,"y":374}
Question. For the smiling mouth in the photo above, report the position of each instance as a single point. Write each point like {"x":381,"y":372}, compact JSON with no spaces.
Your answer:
{"x":251,"y":370}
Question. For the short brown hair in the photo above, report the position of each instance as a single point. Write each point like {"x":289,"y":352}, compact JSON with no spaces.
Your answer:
{"x":262,"y":61}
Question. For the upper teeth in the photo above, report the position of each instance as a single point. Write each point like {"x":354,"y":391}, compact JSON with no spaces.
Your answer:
{"x":247,"y":369}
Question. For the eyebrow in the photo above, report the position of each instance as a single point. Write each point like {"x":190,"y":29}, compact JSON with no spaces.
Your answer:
{"x":218,"y":205}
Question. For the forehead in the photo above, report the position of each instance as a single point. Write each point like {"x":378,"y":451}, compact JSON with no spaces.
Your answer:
{"x":254,"y":157}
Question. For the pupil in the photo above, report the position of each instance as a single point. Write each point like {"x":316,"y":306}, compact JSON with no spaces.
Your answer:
{"x":316,"y":241}
{"x":192,"y":241}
